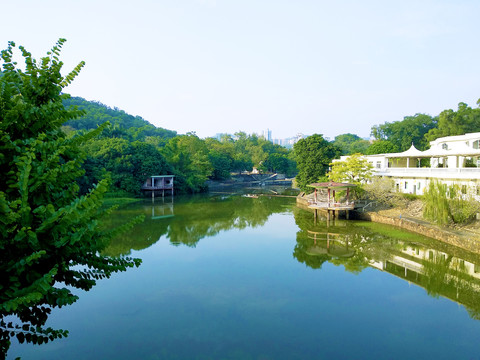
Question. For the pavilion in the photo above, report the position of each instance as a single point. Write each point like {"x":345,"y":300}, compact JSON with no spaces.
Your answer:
{"x":331,"y":206}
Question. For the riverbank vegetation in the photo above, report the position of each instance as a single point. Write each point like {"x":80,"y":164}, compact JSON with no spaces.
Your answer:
{"x":447,"y":204}
{"x":441,"y":204}
{"x":130,"y":149}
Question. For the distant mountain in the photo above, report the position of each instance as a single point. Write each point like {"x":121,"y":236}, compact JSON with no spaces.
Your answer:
{"x":98,"y":113}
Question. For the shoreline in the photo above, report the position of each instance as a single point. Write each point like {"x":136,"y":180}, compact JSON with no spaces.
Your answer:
{"x":458,"y":238}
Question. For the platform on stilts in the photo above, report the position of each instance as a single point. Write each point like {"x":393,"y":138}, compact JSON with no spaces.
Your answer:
{"x":332,"y":207}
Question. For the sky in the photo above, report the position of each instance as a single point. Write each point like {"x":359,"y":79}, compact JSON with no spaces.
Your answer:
{"x":220,"y":66}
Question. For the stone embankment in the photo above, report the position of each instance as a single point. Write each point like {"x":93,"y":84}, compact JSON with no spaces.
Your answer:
{"x":463,"y":239}
{"x":409,"y":218}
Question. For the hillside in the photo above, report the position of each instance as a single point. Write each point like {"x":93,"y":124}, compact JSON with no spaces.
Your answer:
{"x":97,"y":113}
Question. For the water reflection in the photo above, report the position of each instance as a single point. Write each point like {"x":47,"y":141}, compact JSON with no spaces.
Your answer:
{"x":190,"y":219}
{"x":440,"y":269}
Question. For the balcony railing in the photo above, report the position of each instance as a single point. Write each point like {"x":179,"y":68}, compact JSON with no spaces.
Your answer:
{"x":157,"y":187}
{"x":431,"y":172}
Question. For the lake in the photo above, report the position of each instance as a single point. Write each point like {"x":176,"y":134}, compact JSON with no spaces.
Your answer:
{"x":233,"y":277}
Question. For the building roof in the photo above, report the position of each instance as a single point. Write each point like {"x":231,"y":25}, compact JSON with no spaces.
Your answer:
{"x":468,"y":136}
{"x":412,"y":152}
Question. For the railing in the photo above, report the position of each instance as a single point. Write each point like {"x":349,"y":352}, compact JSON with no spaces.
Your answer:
{"x":431,"y":172}
{"x":330,"y":205}
{"x":157,"y":187}
{"x":370,"y":204}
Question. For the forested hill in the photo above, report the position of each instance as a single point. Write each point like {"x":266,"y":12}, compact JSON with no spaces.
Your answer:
{"x":98,"y":113}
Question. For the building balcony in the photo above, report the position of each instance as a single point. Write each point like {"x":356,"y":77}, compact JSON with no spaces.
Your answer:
{"x":441,"y":173}
{"x":158,"y":187}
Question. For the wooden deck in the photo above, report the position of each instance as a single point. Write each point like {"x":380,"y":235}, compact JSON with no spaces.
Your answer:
{"x":332,"y":209}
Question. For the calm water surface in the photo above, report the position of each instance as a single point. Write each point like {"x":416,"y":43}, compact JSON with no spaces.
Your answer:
{"x":230,"y":277}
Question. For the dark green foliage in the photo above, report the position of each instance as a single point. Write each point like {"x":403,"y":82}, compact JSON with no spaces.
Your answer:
{"x":279,"y":163}
{"x":221,"y":157}
{"x":402,"y":134}
{"x":129,"y":163}
{"x":464,"y":120}
{"x":381,"y":147}
{"x":351,"y":144}
{"x":313,"y":155}
{"x":50,"y":237}
{"x":188,"y":155}
{"x":126,"y":125}
{"x":192,"y":160}
{"x":221,"y":163}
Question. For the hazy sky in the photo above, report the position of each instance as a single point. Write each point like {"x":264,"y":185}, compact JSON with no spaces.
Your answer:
{"x":327,"y":67}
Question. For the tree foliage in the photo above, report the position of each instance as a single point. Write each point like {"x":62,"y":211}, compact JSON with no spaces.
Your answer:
{"x":50,"y":237}
{"x":95,"y":114}
{"x":381,"y":147}
{"x":450,"y":122}
{"x":128,"y":163}
{"x":402,"y":134}
{"x":130,"y":154}
{"x":446,"y":204}
{"x":188,"y":155}
{"x":351,"y":144}
{"x":354,"y":170}
{"x":313,"y":155}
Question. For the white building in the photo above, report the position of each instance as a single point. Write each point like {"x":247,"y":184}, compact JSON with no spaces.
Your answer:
{"x":450,"y":159}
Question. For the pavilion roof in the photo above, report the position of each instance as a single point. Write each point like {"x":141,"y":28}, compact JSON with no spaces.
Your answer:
{"x":412,"y":152}
{"x":331,"y":185}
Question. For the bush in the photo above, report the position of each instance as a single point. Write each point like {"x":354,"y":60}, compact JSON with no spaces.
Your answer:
{"x":445,"y":204}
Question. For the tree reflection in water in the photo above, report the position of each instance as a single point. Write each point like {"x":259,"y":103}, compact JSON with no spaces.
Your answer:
{"x":194,"y":218}
{"x":440,"y":269}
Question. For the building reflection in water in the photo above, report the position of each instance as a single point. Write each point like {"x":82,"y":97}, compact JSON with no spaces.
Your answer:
{"x":160,"y":211}
{"x":331,"y":244}
{"x":440,"y":269}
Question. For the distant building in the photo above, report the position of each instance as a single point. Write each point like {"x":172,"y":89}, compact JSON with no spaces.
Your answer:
{"x":267,"y":134}
{"x":289,"y":142}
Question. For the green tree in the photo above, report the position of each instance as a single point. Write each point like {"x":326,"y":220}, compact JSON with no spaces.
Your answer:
{"x":402,"y":134}
{"x":95,"y":113}
{"x":381,"y":147}
{"x":354,"y":170}
{"x":464,"y":120}
{"x":445,"y":204}
{"x":279,"y":163}
{"x":129,"y":163}
{"x":188,"y":155}
{"x":221,"y":157}
{"x":50,"y":237}
{"x":313,"y":155}
{"x":351,"y":144}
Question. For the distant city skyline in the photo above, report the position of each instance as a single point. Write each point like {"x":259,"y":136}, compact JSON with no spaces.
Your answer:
{"x":307,"y":66}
